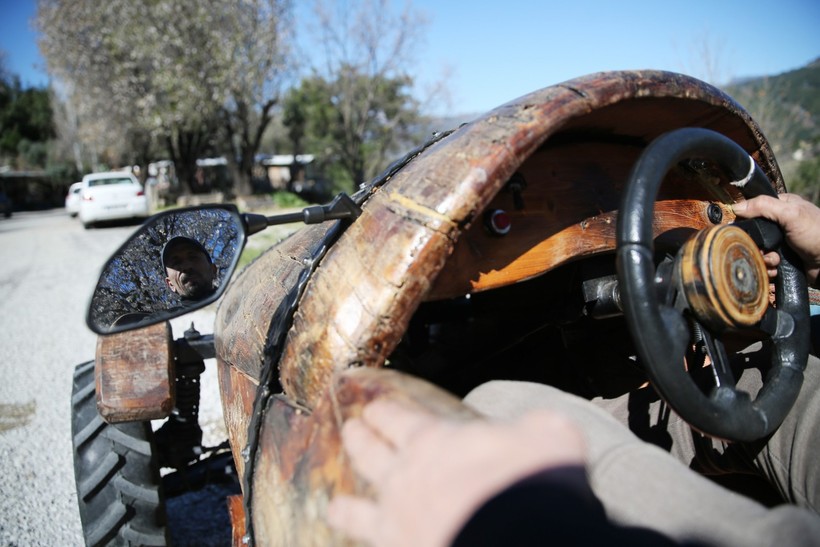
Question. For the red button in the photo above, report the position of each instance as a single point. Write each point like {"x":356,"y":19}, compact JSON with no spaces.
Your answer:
{"x":498,"y":221}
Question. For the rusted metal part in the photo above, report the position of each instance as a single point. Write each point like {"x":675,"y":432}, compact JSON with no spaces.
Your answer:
{"x":356,"y":307}
{"x":134,"y":374}
{"x":301,"y":462}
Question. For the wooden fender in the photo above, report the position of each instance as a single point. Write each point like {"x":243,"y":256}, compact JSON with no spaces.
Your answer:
{"x":259,"y":303}
{"x":251,"y":322}
{"x":301,"y":464}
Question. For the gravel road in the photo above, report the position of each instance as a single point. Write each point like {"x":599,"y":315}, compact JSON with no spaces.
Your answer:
{"x":48,"y":267}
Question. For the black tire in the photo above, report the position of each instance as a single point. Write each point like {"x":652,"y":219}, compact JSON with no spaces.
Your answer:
{"x":118,"y":482}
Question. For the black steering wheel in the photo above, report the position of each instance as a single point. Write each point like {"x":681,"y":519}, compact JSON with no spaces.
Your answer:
{"x":716,"y":284}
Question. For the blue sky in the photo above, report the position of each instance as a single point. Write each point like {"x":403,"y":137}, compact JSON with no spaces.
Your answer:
{"x":497,"y":51}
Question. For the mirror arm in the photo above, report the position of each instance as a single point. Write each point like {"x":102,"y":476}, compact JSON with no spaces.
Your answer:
{"x":254,"y":223}
{"x":342,"y":207}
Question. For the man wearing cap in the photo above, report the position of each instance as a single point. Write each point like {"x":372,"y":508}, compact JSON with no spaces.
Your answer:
{"x":188,"y":269}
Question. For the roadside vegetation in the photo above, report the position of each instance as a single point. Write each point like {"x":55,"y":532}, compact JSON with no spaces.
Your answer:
{"x":787,"y":107}
{"x":196,"y":79}
{"x":209,"y":79}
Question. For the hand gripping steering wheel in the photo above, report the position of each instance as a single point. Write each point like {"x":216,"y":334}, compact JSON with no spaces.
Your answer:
{"x":716,"y":284}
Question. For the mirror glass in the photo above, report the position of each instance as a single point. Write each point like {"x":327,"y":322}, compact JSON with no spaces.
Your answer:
{"x":178,"y":261}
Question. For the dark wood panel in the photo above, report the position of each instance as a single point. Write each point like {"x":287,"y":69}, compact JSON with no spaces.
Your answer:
{"x":134,"y":374}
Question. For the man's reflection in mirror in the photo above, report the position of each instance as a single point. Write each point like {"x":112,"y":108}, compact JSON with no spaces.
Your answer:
{"x":188,"y":268}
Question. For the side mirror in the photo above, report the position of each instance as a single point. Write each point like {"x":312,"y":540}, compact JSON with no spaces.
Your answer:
{"x":177,"y":262}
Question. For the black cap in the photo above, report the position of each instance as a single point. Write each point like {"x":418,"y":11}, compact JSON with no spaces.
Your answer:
{"x":182,"y":241}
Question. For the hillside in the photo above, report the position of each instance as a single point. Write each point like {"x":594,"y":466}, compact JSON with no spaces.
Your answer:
{"x":787,"y":107}
{"x":789,"y":102}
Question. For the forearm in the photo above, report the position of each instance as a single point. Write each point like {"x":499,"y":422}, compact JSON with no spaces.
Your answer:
{"x":555,"y":506}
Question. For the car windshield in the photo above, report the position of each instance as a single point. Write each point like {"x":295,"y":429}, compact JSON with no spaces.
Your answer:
{"x":101,"y":182}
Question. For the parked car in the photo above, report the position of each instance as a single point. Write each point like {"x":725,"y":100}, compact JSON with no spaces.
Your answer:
{"x":110,"y":196}
{"x":73,"y":199}
{"x":5,"y":205}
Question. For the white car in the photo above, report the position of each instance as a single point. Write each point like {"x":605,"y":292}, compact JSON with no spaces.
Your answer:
{"x":73,"y":199}
{"x":110,"y":196}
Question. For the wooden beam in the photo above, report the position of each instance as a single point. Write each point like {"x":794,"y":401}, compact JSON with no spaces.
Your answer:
{"x":134,"y":374}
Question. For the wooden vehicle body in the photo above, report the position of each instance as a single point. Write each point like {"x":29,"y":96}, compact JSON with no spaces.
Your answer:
{"x":422,"y":297}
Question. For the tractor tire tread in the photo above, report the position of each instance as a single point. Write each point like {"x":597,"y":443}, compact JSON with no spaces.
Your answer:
{"x":119,"y":489}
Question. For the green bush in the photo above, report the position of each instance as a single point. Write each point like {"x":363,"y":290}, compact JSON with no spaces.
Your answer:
{"x":806,"y":180}
{"x":288,"y":200}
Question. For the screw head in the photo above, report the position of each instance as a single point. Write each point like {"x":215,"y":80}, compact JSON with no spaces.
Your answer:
{"x":715,"y":213}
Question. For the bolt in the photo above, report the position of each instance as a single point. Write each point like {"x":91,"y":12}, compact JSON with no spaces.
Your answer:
{"x":516,"y":185}
{"x":192,"y":333}
{"x":714,"y":213}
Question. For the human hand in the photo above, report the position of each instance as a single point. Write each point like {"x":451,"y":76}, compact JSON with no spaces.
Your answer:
{"x":431,"y":474}
{"x":800,"y":221}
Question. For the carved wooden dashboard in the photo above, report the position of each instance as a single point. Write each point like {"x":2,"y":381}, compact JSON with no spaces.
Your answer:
{"x":562,"y":203}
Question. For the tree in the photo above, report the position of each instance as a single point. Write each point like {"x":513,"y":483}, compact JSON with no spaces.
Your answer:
{"x":252,"y":72}
{"x":92,"y":73}
{"x":25,"y":121}
{"x":805,"y":179}
{"x":194,"y":76}
{"x":356,"y":121}
{"x":357,"y":109}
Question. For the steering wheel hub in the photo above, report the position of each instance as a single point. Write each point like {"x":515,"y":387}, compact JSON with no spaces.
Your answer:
{"x":724,"y":278}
